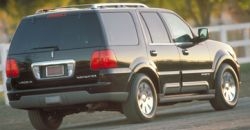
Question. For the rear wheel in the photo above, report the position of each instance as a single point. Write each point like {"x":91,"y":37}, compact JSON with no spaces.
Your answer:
{"x":226,"y":88}
{"x":142,"y":102}
{"x":42,"y":120}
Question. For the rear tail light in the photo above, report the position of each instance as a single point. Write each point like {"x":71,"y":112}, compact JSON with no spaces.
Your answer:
{"x":12,"y":70}
{"x":103,"y":59}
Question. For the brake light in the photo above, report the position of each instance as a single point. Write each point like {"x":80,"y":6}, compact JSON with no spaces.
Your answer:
{"x":12,"y":70}
{"x":103,"y":59}
{"x":56,"y":15}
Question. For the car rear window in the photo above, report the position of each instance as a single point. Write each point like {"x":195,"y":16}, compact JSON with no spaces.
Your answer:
{"x":64,"y":31}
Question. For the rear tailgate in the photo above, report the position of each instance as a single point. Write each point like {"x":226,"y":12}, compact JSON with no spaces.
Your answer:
{"x":68,"y":67}
{"x":55,"y":49}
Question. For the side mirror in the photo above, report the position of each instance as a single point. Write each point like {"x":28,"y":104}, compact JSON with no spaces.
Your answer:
{"x":203,"y":34}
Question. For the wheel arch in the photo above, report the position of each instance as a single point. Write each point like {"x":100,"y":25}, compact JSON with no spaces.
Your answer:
{"x":150,"y":72}
{"x":228,"y":60}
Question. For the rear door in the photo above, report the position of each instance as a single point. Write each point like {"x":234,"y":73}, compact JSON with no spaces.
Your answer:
{"x":162,"y":52}
{"x":124,"y":39}
{"x":195,"y":60}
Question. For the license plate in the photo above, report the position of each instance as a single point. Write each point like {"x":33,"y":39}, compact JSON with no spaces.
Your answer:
{"x":55,"y":71}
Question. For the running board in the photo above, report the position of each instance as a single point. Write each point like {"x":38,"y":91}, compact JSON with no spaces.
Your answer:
{"x":185,"y":97}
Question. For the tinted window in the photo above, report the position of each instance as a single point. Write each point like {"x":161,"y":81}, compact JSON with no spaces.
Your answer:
{"x":65,"y":32}
{"x":156,"y":28}
{"x":179,"y":29}
{"x":120,"y":28}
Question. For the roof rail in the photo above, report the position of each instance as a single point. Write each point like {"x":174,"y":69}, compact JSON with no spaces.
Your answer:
{"x":118,"y":5}
{"x":42,"y":11}
{"x":55,"y":9}
{"x":95,"y":6}
{"x":109,"y":5}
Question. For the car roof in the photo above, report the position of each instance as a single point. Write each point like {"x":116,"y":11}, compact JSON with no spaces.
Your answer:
{"x":102,"y":7}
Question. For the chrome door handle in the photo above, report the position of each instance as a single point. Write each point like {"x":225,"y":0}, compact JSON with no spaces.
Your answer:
{"x":185,"y":52}
{"x":153,"y":52}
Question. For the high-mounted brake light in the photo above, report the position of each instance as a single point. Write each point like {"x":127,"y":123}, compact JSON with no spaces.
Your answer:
{"x":56,"y":15}
{"x":103,"y":59}
{"x":12,"y":70}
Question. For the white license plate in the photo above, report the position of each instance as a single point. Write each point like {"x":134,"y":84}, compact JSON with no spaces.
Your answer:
{"x":55,"y":71}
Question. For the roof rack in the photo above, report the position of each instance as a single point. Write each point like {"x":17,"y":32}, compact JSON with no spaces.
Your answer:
{"x":109,"y":5}
{"x":54,"y":10}
{"x":95,"y":6}
{"x":118,"y":5}
{"x":42,"y":11}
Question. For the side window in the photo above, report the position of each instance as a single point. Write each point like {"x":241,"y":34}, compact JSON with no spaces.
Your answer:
{"x":179,"y":29}
{"x":156,"y":28}
{"x":120,"y":28}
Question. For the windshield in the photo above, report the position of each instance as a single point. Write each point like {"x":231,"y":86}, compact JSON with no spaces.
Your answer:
{"x":64,"y":32}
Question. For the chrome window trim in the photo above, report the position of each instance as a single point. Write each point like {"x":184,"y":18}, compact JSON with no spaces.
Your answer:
{"x":162,"y":44}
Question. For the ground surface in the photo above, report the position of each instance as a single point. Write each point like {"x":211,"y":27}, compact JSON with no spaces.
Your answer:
{"x":187,"y":116}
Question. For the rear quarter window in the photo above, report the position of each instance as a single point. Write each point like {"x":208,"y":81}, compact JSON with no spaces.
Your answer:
{"x":120,"y":28}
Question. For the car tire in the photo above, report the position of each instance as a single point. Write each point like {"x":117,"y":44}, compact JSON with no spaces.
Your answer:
{"x":142,"y":101}
{"x":226,"y":88}
{"x":42,"y":120}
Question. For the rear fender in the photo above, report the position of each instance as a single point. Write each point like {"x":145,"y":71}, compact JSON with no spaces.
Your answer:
{"x":148,"y":68}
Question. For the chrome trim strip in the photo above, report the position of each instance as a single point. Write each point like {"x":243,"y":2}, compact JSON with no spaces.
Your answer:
{"x":195,"y":83}
{"x":169,"y":72}
{"x":56,"y":62}
{"x":197,"y":71}
{"x":35,"y":67}
{"x":162,"y":44}
{"x":171,"y":85}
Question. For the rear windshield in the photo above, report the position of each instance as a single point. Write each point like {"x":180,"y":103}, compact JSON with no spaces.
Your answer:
{"x":62,"y":31}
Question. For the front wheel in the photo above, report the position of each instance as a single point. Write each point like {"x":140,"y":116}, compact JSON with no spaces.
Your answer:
{"x":142,"y":102}
{"x":42,"y":120}
{"x":226,"y":88}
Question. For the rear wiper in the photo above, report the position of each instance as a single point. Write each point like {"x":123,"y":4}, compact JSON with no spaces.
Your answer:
{"x":54,"y":48}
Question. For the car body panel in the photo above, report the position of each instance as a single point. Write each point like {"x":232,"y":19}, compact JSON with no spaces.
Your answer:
{"x":173,"y":69}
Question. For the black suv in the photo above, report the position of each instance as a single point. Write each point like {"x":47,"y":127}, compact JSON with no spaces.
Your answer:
{"x":121,"y":57}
